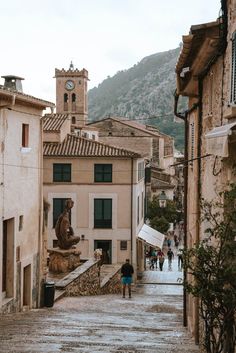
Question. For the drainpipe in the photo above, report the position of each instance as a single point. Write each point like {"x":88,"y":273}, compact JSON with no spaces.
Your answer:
{"x":131,"y":210}
{"x":184,"y":117}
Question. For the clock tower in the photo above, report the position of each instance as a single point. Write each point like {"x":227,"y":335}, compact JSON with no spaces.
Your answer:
{"x":71,"y":94}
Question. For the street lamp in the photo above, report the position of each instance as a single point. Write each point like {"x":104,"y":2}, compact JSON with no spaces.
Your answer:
{"x":162,"y":199}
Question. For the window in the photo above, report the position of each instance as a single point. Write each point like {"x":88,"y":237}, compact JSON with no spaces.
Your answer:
{"x":62,"y":172}
{"x":73,"y":121}
{"x":20,"y":223}
{"x":140,"y":171}
{"x":142,"y":205}
{"x":138,"y":210}
{"x":102,"y":213}
{"x":65,"y":101}
{"x":58,"y":208}
{"x":25,"y":135}
{"x":233,"y":70}
{"x":73,"y":97}
{"x":123,"y":245}
{"x":65,"y":98}
{"x":103,"y":173}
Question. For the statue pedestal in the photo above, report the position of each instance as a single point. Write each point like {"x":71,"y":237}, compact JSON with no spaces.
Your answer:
{"x":62,"y":261}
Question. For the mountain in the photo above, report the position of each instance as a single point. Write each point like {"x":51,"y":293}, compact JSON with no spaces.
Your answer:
{"x":144,"y":93}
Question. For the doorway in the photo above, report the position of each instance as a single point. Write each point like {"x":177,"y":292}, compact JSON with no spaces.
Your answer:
{"x":8,"y":257}
{"x":106,"y":246}
{"x":27,"y":285}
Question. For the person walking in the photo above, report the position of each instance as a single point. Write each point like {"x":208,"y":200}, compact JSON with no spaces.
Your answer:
{"x":180,"y":259}
{"x":127,"y":271}
{"x":170,"y":256}
{"x":161,"y":257}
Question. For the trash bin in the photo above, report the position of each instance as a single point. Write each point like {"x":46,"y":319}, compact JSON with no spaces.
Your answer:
{"x":49,"y":293}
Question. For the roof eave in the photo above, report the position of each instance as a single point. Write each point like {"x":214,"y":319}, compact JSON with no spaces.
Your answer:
{"x":199,"y":49}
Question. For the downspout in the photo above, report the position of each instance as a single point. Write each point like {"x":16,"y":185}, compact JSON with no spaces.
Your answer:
{"x":131,"y":210}
{"x":184,"y":117}
{"x":186,"y":129}
{"x":199,"y":161}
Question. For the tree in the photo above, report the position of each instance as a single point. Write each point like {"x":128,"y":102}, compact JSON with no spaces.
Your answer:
{"x":160,"y":224}
{"x":169,"y":212}
{"x":211,"y":273}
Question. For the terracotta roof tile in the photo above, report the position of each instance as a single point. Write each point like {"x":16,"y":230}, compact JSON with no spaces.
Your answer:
{"x":130,"y":123}
{"x":25,"y":97}
{"x":74,"y":146}
{"x":54,"y":122}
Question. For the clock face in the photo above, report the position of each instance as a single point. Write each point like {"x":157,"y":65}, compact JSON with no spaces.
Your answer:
{"x":70,"y":85}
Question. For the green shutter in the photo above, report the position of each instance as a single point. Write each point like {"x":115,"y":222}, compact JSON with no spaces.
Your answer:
{"x":61,"y":172}
{"x":58,"y":208}
{"x":102,"y":213}
{"x":103,"y":173}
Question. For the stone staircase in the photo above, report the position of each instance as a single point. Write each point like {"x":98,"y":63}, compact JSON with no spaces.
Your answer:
{"x":107,"y":278}
{"x":108,"y":270}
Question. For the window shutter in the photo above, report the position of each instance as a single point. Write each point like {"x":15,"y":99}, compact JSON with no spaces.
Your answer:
{"x":192,"y":141}
{"x":233,"y":70}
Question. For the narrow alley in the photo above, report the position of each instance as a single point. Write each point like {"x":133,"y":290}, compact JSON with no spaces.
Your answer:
{"x":149,"y":322}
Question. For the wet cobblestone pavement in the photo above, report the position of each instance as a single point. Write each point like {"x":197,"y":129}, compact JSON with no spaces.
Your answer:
{"x":149,"y":322}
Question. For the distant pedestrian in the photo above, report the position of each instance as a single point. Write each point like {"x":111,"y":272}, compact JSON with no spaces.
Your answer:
{"x":170,"y":256}
{"x":127,"y":271}
{"x":161,"y":257}
{"x":169,"y":243}
{"x":180,"y":259}
{"x":154,"y":258}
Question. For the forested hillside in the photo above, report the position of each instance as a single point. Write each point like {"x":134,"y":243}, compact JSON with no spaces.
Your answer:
{"x":144,"y":93}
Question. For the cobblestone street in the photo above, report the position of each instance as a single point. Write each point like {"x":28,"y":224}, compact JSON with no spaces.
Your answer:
{"x":149,"y":322}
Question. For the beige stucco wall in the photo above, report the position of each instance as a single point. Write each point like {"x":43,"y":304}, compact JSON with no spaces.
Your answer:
{"x":20,"y":194}
{"x":83,"y":190}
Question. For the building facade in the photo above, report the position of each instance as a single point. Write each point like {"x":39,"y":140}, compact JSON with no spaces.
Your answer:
{"x":106,"y":184}
{"x":206,"y":74}
{"x":21,"y":212}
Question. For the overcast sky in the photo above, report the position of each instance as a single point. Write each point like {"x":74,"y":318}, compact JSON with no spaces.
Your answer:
{"x":103,"y":36}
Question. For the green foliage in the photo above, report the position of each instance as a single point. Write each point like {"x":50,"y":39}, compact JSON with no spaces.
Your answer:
{"x":169,"y":212}
{"x":143,"y":92}
{"x":211,"y":269}
{"x":160,"y":217}
{"x":160,"y":224}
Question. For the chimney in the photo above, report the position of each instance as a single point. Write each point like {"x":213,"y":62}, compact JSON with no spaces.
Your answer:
{"x":13,"y":82}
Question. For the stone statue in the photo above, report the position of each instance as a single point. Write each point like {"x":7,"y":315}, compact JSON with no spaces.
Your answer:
{"x":63,"y":229}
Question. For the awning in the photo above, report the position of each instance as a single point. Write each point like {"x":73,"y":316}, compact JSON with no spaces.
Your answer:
{"x":217,"y":140}
{"x":151,"y":236}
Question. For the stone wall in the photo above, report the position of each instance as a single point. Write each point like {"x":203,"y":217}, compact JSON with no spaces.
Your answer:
{"x":112,"y":283}
{"x":85,"y":280}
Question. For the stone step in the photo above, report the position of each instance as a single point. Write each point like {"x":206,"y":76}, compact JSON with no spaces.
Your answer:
{"x":107,"y":270}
